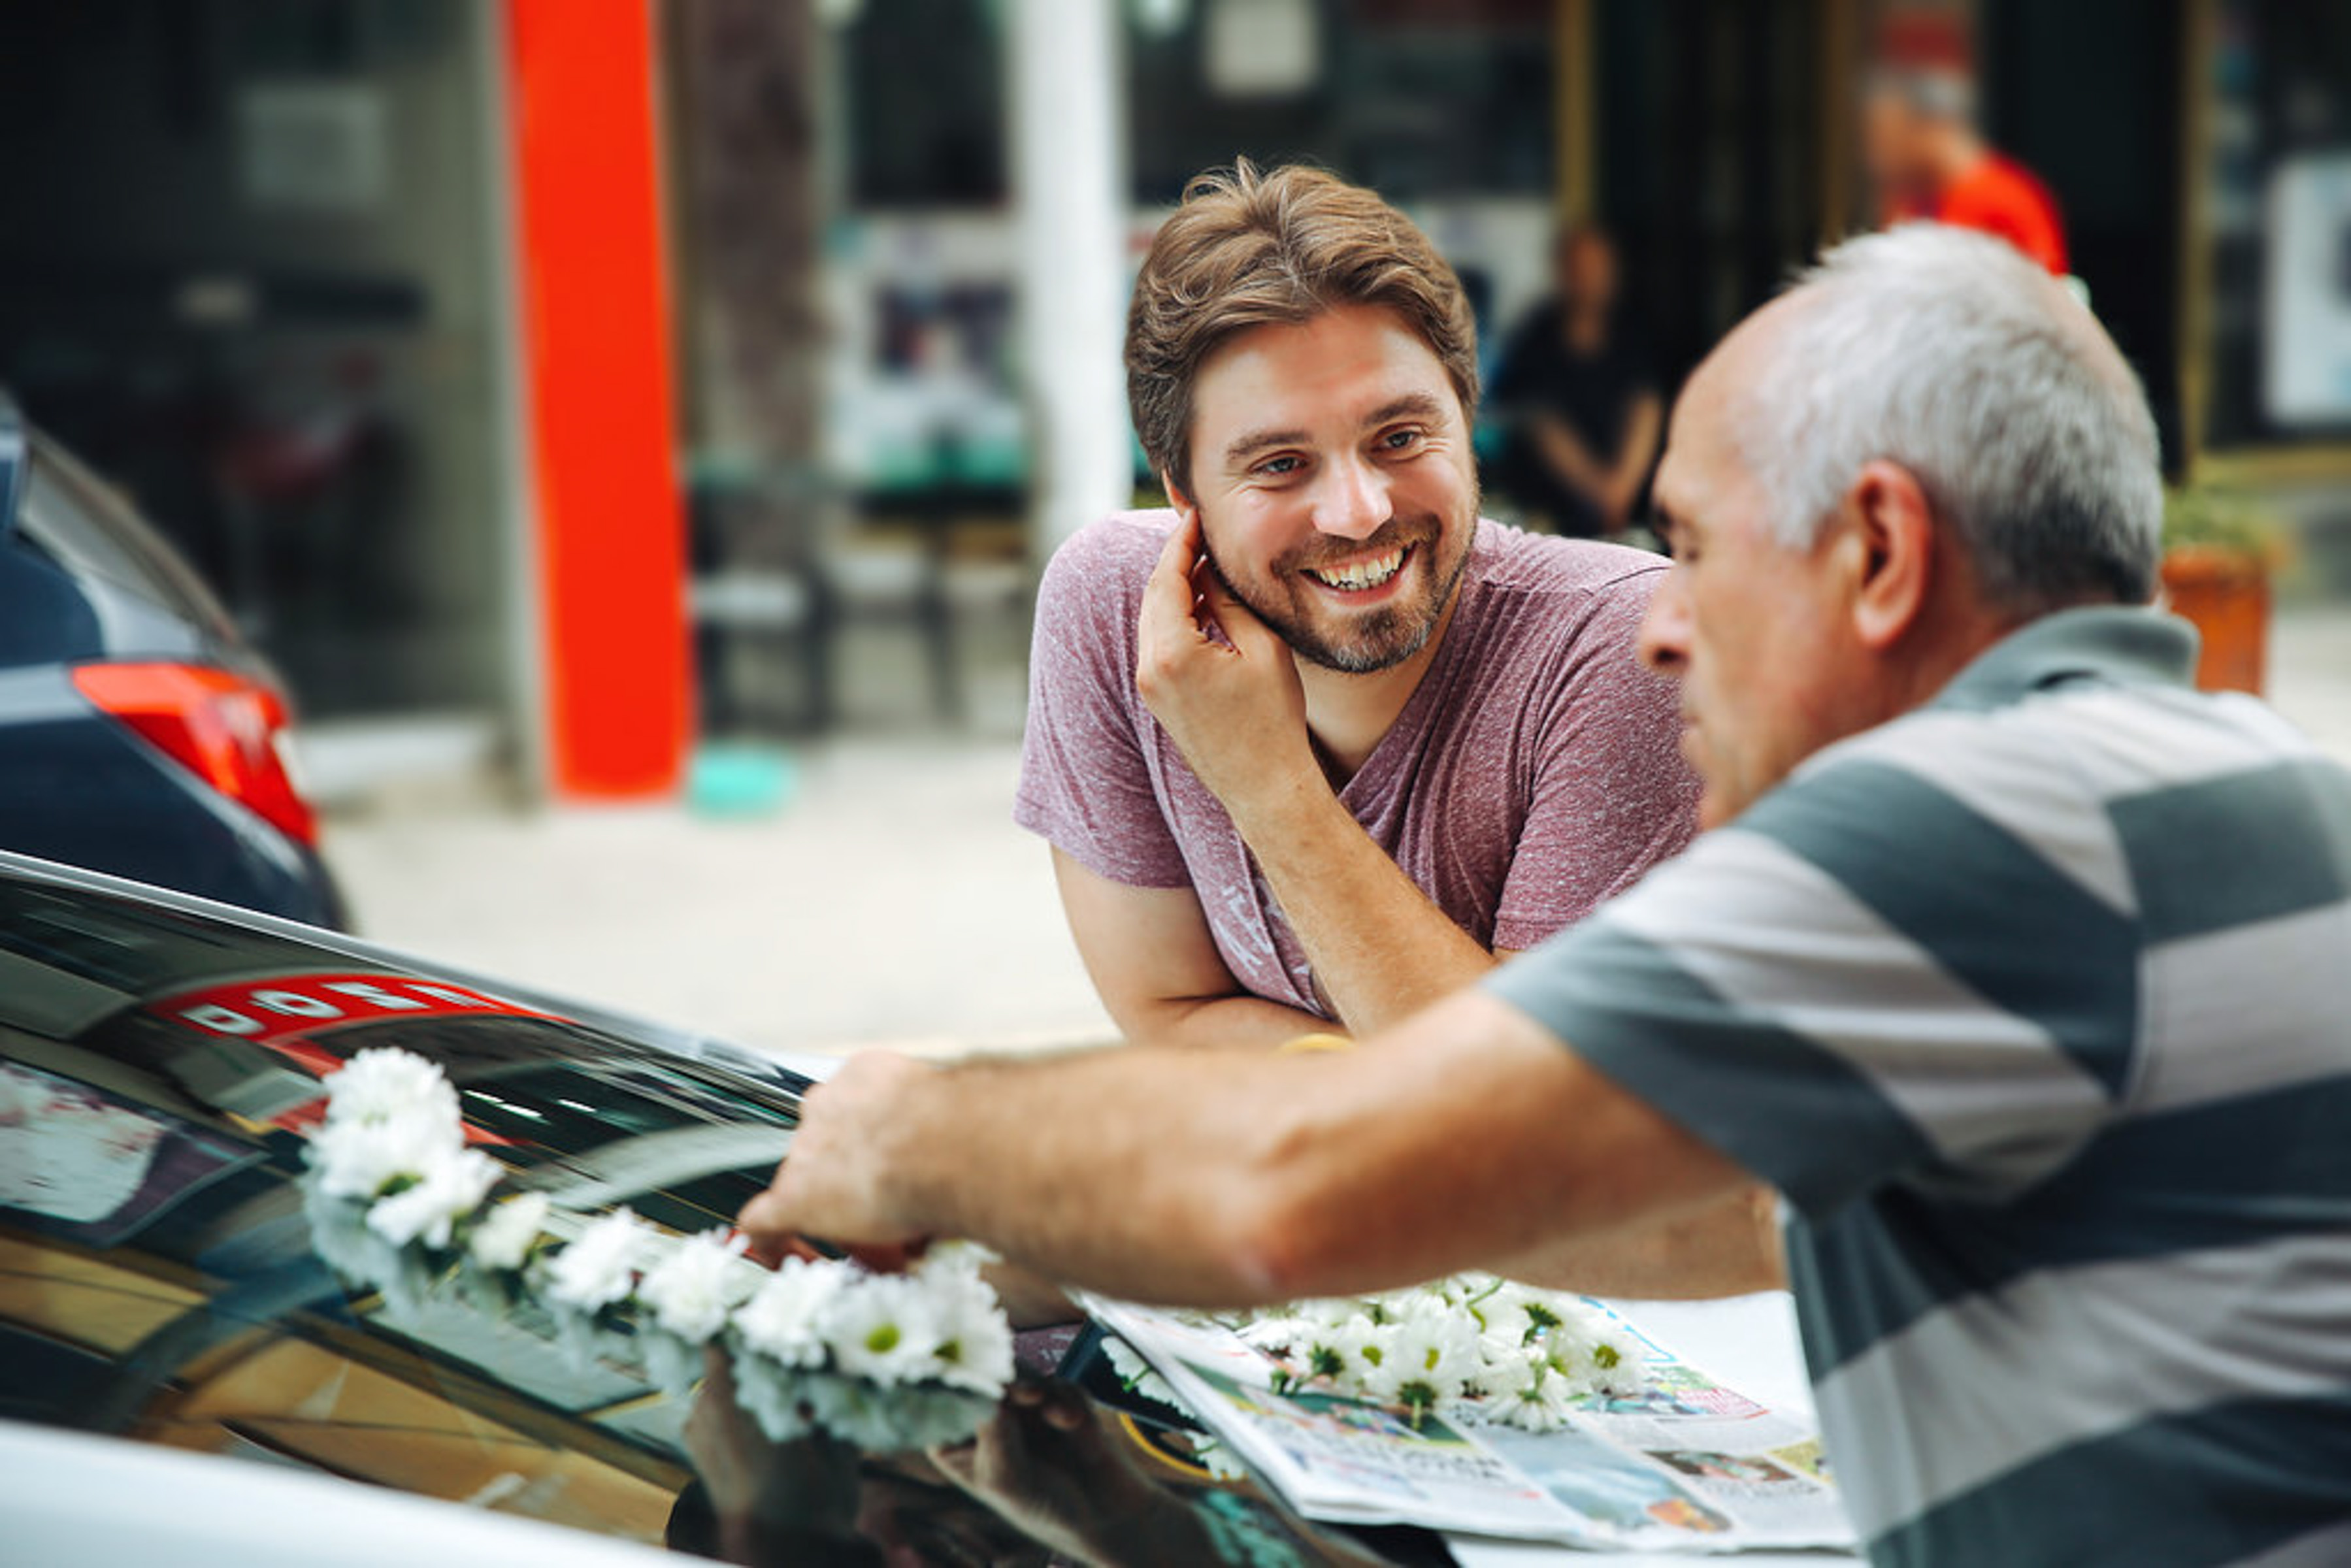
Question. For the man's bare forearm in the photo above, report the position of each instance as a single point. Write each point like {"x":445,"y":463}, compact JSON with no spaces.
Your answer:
{"x":1381,"y":949}
{"x":1729,"y":1249}
{"x":1226,"y":1023}
{"x":1124,"y":1171}
{"x":988,"y":1150}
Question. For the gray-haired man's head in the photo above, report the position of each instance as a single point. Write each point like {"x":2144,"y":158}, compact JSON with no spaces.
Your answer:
{"x":1923,"y":443}
{"x":1951,"y":354}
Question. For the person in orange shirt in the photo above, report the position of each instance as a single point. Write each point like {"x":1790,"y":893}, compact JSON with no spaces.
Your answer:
{"x":1929,"y":160}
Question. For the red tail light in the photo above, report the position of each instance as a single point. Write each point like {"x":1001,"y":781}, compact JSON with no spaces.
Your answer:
{"x":223,"y":727}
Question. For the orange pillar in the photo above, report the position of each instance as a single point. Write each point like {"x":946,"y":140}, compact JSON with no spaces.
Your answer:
{"x":596,"y":384}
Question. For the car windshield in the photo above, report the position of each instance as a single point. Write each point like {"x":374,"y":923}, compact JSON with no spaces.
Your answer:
{"x":160,"y":1281}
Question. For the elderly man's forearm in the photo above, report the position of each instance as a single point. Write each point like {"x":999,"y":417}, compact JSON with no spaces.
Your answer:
{"x":1171,"y":1209}
{"x":1730,"y":1249}
{"x":1435,"y":1148}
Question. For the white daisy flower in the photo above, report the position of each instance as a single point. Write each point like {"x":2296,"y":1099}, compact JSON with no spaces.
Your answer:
{"x":1540,"y":1400}
{"x":975,"y":1339}
{"x":956,"y":1256}
{"x":1361,"y":1347}
{"x":1427,"y":1359}
{"x":359,"y":1158}
{"x":1327,"y":1312}
{"x":385,"y":1085}
{"x":781,"y":1320}
{"x":501,"y":1239}
{"x":881,"y":1328}
{"x":452,"y":1186}
{"x":696,"y":1282}
{"x":1508,"y":1311}
{"x":600,"y":1266}
{"x":1283,"y":1338}
{"x":1588,"y":1361}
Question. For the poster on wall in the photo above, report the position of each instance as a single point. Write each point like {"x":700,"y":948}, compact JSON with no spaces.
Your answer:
{"x":2307,"y":293}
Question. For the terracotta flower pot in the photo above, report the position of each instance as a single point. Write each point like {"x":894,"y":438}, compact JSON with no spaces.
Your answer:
{"x":2226,"y":594}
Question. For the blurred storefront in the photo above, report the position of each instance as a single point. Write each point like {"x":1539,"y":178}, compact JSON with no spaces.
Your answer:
{"x":361,"y":301}
{"x":250,"y":277}
{"x":547,"y":381}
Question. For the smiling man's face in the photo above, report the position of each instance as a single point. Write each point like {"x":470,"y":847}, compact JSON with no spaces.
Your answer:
{"x":1332,"y":468}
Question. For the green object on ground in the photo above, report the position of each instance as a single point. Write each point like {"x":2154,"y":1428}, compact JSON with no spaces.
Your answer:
{"x":740,"y":780}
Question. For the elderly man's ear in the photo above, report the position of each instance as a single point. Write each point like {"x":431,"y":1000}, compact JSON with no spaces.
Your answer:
{"x":1891,"y":550}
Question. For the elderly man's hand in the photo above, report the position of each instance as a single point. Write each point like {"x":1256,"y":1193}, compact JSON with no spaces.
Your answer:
{"x":834,"y":1185}
{"x":1234,"y":708}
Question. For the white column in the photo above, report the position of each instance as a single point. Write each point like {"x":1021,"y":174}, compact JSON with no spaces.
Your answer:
{"x":1069,"y":180}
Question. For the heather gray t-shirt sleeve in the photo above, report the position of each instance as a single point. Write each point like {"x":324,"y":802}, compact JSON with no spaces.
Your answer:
{"x":1611,"y":796}
{"x":1086,"y":780}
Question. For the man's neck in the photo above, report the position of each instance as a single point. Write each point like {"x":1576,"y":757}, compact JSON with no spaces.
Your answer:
{"x":1349,"y":715}
{"x":1963,"y":636}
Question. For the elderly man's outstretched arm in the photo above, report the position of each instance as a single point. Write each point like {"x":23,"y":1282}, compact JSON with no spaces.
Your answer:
{"x":1465,"y":1137}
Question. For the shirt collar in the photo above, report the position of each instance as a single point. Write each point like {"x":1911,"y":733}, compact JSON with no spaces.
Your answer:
{"x":2114,"y":644}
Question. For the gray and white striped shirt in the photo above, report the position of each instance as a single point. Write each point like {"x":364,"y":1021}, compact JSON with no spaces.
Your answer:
{"x":2035,"y":1004}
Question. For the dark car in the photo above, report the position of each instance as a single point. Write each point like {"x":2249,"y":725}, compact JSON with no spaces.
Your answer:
{"x":139,"y":733}
{"x":163,"y":1290}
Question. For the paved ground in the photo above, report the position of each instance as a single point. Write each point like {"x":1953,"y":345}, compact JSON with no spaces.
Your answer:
{"x":891,"y":900}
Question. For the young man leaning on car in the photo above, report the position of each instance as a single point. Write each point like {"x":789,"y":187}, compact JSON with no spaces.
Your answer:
{"x":1317,"y":745}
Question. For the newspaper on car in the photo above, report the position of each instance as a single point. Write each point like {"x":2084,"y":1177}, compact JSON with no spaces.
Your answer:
{"x":1679,"y":1463}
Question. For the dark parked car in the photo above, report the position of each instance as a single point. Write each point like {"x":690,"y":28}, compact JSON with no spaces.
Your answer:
{"x":139,"y":733}
{"x":163,"y":1290}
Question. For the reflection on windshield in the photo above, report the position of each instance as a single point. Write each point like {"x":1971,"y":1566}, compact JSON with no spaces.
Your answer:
{"x":1051,"y":1477}
{"x":159,"y":1280}
{"x":157,"y":1276}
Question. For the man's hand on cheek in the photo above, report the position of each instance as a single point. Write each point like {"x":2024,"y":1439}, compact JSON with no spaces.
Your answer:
{"x":1235,"y":708}
{"x":836,"y":1183}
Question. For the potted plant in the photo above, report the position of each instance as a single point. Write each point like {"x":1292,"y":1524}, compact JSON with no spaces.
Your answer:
{"x":2218,"y":550}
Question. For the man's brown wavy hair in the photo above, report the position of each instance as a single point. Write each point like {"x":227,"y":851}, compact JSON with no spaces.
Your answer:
{"x":1249,"y":248}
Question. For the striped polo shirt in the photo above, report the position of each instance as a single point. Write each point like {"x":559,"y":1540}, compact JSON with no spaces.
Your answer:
{"x":2036,"y":1006}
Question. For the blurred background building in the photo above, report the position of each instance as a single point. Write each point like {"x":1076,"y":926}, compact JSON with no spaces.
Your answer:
{"x":546,"y":383}
{"x":569,"y":394}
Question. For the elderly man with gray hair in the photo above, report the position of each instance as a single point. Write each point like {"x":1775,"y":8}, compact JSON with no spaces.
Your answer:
{"x":2018,"y":968}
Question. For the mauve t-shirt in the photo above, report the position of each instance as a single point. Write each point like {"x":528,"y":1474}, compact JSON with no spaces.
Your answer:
{"x":1534,"y":773}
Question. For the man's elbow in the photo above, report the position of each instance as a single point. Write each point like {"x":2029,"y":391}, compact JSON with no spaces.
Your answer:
{"x":1281,"y":1234}
{"x":1268,"y":1246}
{"x":1156,"y":1022}
{"x":1179,"y":1021}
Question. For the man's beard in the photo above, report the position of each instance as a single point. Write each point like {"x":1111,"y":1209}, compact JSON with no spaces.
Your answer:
{"x":1371,"y":640}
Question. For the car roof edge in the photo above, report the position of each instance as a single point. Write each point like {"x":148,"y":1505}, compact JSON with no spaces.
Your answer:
{"x":689,"y":1044}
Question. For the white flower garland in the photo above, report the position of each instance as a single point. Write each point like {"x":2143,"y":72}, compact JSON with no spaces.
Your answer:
{"x":886,"y":1362}
{"x":1471,"y":1348}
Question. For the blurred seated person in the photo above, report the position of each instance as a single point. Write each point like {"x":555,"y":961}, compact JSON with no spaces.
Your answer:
{"x":1929,"y":162}
{"x":1581,"y":400}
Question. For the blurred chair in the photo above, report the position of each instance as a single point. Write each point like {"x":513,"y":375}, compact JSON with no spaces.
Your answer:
{"x":786,"y":559}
